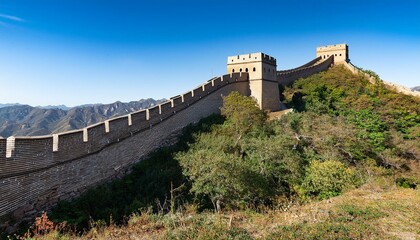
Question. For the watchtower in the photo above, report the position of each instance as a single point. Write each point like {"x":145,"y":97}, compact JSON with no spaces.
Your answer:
{"x":263,"y":84}
{"x":339,"y":51}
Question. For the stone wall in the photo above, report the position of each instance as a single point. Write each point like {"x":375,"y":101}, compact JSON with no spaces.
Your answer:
{"x":289,"y":76}
{"x":389,"y":85}
{"x":39,"y":171}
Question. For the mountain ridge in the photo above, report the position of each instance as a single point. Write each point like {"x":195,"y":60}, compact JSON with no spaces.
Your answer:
{"x":25,"y":120}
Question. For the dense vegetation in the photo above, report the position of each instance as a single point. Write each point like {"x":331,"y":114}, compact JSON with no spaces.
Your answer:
{"x":344,"y":133}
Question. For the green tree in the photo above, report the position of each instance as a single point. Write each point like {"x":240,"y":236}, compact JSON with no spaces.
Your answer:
{"x":242,"y":113}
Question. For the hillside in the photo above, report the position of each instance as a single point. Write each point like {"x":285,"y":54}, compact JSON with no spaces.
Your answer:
{"x":24,"y":120}
{"x":345,"y":164}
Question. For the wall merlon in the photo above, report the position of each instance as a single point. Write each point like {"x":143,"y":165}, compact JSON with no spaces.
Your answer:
{"x":209,"y":87}
{"x":177,"y":103}
{"x":188,"y":98}
{"x":85,"y":133}
{"x":10,"y":146}
{"x":119,"y":129}
{"x":198,"y":92}
{"x":153,"y":115}
{"x":3,"y":143}
{"x":217,"y":82}
{"x":55,"y":142}
{"x":106,"y":123}
{"x":139,"y":121}
{"x":70,"y":145}
{"x":130,"y":122}
{"x":165,"y":109}
{"x":97,"y":136}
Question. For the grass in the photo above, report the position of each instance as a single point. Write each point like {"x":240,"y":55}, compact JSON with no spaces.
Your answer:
{"x":377,"y":210}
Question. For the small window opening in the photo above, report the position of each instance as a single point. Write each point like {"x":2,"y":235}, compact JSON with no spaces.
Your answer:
{"x":340,"y":54}
{"x":233,"y":70}
{"x":240,"y":70}
{"x":269,"y":70}
{"x":246,"y":69}
{"x":253,"y":69}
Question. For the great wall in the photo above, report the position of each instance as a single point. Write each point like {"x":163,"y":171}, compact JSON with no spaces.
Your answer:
{"x":37,"y":172}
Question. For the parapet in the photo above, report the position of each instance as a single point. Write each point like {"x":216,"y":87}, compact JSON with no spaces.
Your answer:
{"x":252,"y":57}
{"x":335,"y":47}
{"x":340,"y":52}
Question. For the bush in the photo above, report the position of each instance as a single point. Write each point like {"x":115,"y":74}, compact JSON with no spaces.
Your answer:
{"x":327,"y":179}
{"x":406,"y":183}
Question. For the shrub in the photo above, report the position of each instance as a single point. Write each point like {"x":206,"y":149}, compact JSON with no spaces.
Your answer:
{"x":327,"y":179}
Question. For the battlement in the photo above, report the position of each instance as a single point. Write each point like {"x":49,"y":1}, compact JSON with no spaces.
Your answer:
{"x":250,"y":58}
{"x":332,"y":47}
{"x":339,"y":51}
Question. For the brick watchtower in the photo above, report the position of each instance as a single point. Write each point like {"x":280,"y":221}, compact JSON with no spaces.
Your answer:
{"x":262,"y":77}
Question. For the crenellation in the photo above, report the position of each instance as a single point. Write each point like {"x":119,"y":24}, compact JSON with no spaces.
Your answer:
{"x":226,"y":79}
{"x":188,"y":98}
{"x":288,"y":77}
{"x":119,"y":129}
{"x":340,"y":52}
{"x":166,"y":110}
{"x":27,"y":153}
{"x":70,"y":145}
{"x":3,"y":143}
{"x":153,"y":115}
{"x":198,"y":92}
{"x":177,"y":103}
{"x":98,"y":137}
{"x":217,"y":82}
{"x":139,"y":121}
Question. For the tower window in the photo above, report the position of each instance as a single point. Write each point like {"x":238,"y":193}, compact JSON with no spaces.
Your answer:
{"x":240,"y":70}
{"x":246,"y":69}
{"x":233,"y":70}
{"x":269,"y":70}
{"x":253,"y":69}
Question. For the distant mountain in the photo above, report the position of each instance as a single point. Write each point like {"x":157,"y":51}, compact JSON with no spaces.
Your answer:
{"x":63,"y":107}
{"x":416,"y":88}
{"x":8,"y":104}
{"x":24,"y":120}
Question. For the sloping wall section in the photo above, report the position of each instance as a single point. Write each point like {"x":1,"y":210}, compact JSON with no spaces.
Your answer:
{"x":389,"y":85}
{"x":287,"y":77}
{"x":36,"y":172}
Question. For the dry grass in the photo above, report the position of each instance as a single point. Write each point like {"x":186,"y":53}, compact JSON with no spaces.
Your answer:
{"x":378,"y":209}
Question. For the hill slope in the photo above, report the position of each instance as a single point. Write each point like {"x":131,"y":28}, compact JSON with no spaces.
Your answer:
{"x":24,"y":120}
{"x":344,"y":165}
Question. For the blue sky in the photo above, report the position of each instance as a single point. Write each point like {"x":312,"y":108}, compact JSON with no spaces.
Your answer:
{"x":96,"y":51}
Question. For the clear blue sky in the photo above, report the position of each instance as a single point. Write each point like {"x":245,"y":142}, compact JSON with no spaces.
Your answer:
{"x":95,"y":51}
